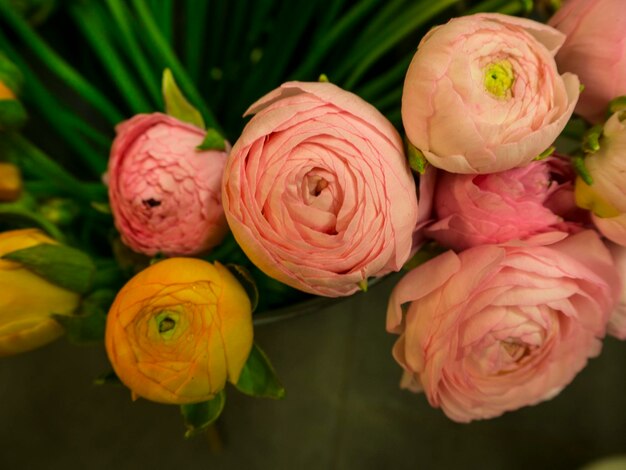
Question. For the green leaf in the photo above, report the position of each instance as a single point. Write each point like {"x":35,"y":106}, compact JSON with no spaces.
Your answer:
{"x":89,"y":324}
{"x":176,"y":104}
{"x":10,"y":74}
{"x":417,"y":161}
{"x":12,"y":114}
{"x":62,"y":265}
{"x":200,"y":416}
{"x":258,"y":377}
{"x":247,"y":282}
{"x":213,"y":140}
{"x":22,"y":213}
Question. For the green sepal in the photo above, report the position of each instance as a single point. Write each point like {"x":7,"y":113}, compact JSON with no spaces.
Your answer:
{"x":89,"y":324}
{"x":528,"y":6}
{"x":12,"y":115}
{"x":545,"y":154}
{"x":617,"y":104}
{"x":258,"y":377}
{"x":102,"y":207}
{"x":247,"y":282}
{"x":176,"y":105}
{"x":591,"y":139}
{"x":323,"y":78}
{"x":578,"y":163}
{"x":213,"y":140}
{"x":61,"y":265}
{"x":363,"y":285}
{"x":108,"y":378}
{"x":199,"y":416}
{"x":417,"y":160}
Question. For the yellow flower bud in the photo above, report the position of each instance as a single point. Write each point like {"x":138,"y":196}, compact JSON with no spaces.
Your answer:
{"x":10,"y":182}
{"x":178,"y":330}
{"x":27,"y":300}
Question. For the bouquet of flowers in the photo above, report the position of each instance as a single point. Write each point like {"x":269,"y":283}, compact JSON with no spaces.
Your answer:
{"x":139,"y":209}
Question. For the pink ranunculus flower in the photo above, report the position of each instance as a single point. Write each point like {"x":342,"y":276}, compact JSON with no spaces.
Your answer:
{"x":474,"y":210}
{"x":595,"y":50}
{"x":617,"y":322}
{"x":165,"y":194}
{"x":606,"y":196}
{"x":498,"y":327}
{"x":317,"y":190}
{"x":483,"y":94}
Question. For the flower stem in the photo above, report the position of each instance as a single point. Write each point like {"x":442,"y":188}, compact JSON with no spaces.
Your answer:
{"x":148,"y":75}
{"x":90,"y":22}
{"x":394,"y":34}
{"x":169,"y":58}
{"x":57,"y":65}
{"x":347,"y":22}
{"x":65,"y":122}
{"x":31,"y":159}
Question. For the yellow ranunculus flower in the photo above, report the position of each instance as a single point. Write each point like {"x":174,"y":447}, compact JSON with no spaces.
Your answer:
{"x":178,"y":330}
{"x":27,"y":300}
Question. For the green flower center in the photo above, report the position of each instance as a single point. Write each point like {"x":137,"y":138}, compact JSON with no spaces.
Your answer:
{"x":166,"y":323}
{"x":499,"y":79}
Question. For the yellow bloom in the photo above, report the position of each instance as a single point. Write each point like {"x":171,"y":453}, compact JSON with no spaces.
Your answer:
{"x":5,"y":92}
{"x":178,"y":330}
{"x":27,"y":300}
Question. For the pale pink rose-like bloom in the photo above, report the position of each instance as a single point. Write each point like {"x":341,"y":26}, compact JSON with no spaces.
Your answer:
{"x":606,"y":196}
{"x":595,"y":50}
{"x":483,"y":94}
{"x":165,"y":194}
{"x":317,"y":190}
{"x":617,"y":322}
{"x":475,"y":210}
{"x":498,"y":327}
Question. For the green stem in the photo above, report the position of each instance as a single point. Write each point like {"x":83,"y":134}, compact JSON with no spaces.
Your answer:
{"x":425,"y":14}
{"x":57,"y":65}
{"x":393,"y":76}
{"x":90,"y":22}
{"x":65,"y":122}
{"x":347,"y":22}
{"x":30,"y":158}
{"x":167,"y":55}
{"x":149,"y":77}
{"x":195,"y":23}
{"x":392,"y":99}
{"x":162,"y":14}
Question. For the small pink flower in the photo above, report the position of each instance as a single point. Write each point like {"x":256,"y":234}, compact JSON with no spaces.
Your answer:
{"x":495,"y":208}
{"x":164,"y":193}
{"x":482,"y":93}
{"x":595,"y":50}
{"x":495,"y":328}
{"x":318,"y":192}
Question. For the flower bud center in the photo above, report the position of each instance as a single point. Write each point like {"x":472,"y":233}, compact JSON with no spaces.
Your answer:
{"x":166,"y":323}
{"x":499,"y":79}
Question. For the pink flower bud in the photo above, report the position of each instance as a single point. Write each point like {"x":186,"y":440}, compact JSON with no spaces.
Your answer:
{"x":164,"y":193}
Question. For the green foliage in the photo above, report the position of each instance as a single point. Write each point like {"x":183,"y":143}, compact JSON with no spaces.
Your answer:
{"x":88,"y":326}
{"x":199,"y":416}
{"x":62,"y":265}
{"x":258,"y":377}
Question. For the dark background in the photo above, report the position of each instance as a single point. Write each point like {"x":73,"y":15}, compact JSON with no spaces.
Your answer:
{"x":343,"y":410}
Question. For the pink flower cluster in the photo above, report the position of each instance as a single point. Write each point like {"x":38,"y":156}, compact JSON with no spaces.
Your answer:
{"x":510,"y":316}
{"x":318,"y":193}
